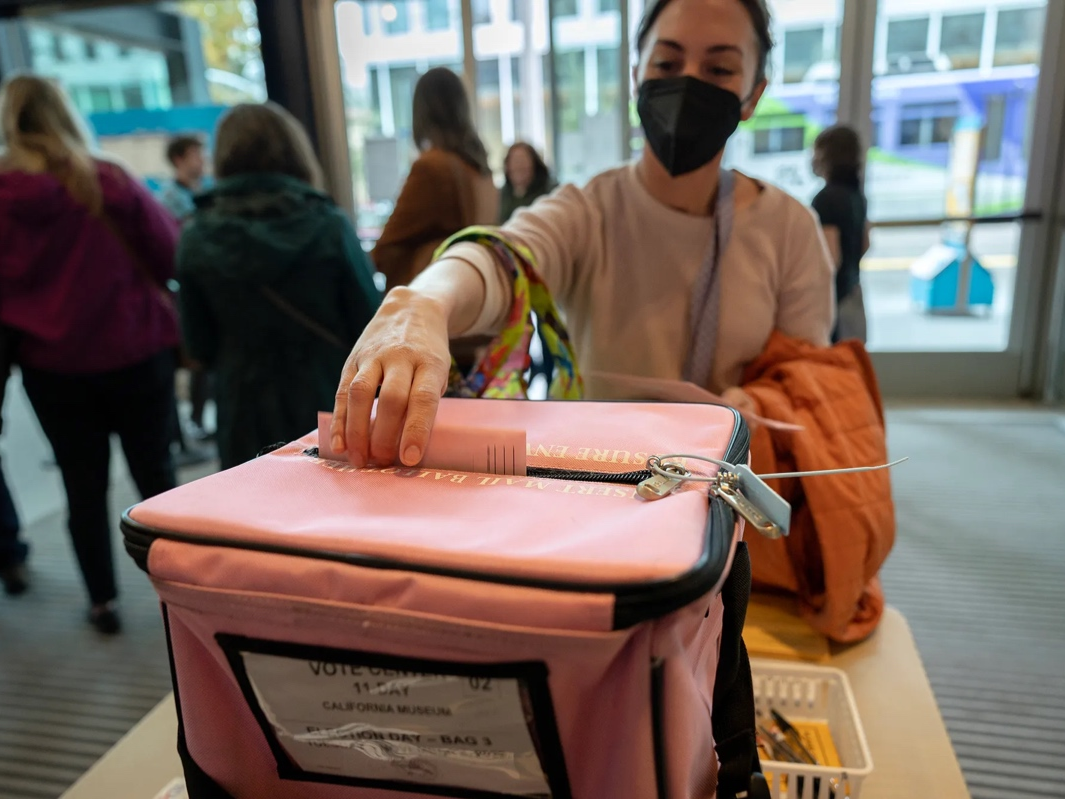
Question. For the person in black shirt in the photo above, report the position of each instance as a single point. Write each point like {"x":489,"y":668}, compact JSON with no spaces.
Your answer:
{"x":841,"y":205}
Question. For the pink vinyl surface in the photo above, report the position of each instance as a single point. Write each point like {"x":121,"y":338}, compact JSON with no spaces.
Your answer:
{"x":521,"y":526}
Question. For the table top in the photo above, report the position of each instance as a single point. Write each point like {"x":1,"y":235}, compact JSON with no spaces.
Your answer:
{"x":911,"y":751}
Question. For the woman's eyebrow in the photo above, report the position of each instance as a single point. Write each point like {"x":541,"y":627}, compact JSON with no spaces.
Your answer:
{"x":713,"y":50}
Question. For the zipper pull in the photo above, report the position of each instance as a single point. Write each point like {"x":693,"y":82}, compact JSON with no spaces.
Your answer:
{"x":658,"y":486}
{"x":727,"y":488}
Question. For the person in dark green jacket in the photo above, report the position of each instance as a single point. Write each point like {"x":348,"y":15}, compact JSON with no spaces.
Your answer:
{"x":275,"y":287}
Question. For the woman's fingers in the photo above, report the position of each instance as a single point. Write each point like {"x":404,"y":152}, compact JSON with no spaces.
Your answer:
{"x":404,"y":352}
{"x":361,"y":391}
{"x":391,"y":411}
{"x":428,"y":386}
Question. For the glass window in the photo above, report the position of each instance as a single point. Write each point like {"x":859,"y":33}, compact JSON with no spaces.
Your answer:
{"x":800,"y":102}
{"x":401,"y":81}
{"x":782,"y":134}
{"x":609,"y":72}
{"x":149,"y":58}
{"x":926,"y":124}
{"x":570,"y":84}
{"x":379,"y":72}
{"x":132,"y":97}
{"x":437,"y":15}
{"x":1020,"y":36}
{"x":564,"y":8}
{"x":488,"y":74}
{"x":994,"y":127}
{"x":608,"y":5}
{"x":803,"y":48}
{"x":100,"y":99}
{"x":907,"y":44}
{"x":71,"y":47}
{"x":396,"y":17}
{"x":482,"y":12}
{"x":592,"y":100}
{"x":962,"y":39}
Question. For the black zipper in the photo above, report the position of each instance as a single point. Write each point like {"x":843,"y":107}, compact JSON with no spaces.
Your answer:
{"x":737,"y":449}
{"x":633,"y":604}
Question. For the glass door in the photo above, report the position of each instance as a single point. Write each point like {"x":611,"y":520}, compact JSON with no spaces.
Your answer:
{"x":954,"y":102}
{"x":802,"y":98}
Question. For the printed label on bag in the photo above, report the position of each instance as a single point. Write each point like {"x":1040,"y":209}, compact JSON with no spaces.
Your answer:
{"x":365,"y":722}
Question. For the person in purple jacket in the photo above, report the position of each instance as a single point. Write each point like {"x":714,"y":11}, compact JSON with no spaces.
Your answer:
{"x":86,"y":256}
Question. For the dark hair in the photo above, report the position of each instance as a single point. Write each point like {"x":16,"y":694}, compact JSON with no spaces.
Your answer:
{"x":256,"y":139}
{"x":541,"y":174}
{"x":441,"y":118}
{"x":757,"y":10}
{"x":840,"y":149}
{"x":179,"y":146}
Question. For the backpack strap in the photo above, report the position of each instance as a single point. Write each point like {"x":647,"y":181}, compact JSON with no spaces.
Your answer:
{"x":739,"y":771}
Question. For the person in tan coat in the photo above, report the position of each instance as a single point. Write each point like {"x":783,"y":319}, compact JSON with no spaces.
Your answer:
{"x":449,"y":187}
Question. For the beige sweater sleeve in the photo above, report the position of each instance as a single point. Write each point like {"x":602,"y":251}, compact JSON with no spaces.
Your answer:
{"x":561,"y":230}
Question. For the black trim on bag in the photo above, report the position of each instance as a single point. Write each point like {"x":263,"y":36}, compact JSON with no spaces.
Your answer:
{"x":633,"y":603}
{"x":532,"y":675}
{"x":198,"y":783}
{"x":658,"y":727}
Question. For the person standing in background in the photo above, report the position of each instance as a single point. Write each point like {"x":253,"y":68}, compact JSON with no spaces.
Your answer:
{"x":526,"y":179}
{"x":84,"y":266}
{"x":275,"y":287}
{"x":450,"y":184}
{"x":449,"y":188}
{"x":186,"y":154}
{"x":842,"y":208}
{"x":187,"y":157}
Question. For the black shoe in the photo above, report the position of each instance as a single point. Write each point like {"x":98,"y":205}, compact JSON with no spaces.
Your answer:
{"x":15,"y":578}
{"x":105,"y":619}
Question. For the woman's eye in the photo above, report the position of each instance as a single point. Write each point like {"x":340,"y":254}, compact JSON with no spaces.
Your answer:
{"x":722,"y":72}
{"x":665,"y":66}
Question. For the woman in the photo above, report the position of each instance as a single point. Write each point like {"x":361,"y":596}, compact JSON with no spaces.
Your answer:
{"x":842,"y":208}
{"x":449,"y":186}
{"x":86,"y":254}
{"x":631,"y":246}
{"x":275,"y":287}
{"x":527,"y":179}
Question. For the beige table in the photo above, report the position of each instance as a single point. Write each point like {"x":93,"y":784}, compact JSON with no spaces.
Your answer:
{"x":912,"y":755}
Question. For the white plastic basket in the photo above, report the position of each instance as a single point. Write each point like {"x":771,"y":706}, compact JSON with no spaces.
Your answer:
{"x":815,"y":693}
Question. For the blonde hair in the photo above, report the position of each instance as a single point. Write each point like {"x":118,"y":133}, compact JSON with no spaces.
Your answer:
{"x":255,"y":139}
{"x":43,"y":133}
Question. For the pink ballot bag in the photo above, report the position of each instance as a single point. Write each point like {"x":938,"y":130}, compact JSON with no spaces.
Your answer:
{"x":516,"y":624}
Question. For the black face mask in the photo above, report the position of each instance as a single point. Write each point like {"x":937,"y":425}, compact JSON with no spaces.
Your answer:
{"x":687,"y":121}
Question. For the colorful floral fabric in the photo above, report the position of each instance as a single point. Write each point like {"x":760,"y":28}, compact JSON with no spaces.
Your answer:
{"x":501,"y":372}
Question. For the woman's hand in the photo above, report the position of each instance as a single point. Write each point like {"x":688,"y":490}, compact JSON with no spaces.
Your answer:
{"x":739,"y":399}
{"x":404,"y":352}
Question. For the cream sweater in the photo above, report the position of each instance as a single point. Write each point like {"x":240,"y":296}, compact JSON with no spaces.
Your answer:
{"x":622,"y":267}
